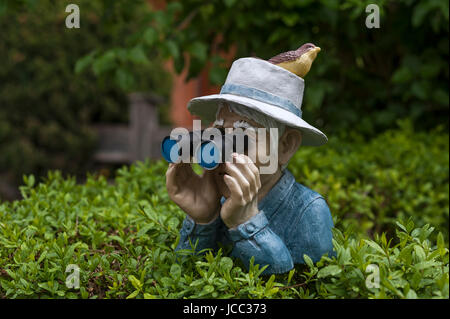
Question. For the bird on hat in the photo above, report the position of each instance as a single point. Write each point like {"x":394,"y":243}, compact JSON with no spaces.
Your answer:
{"x":266,"y":87}
{"x":298,"y":61}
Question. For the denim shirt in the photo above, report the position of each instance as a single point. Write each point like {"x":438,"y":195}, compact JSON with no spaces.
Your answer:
{"x":292,"y":221}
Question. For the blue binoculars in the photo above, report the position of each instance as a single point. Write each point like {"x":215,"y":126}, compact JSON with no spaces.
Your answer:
{"x":208,"y":153}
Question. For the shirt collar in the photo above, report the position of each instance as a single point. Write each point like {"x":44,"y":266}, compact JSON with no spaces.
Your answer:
{"x":277,"y":193}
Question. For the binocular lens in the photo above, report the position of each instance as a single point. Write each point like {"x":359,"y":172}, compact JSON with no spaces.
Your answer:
{"x":170,"y":150}
{"x":208,"y":154}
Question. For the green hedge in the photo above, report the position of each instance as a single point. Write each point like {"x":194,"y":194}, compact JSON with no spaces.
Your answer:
{"x":122,"y":235}
{"x":369,"y":184}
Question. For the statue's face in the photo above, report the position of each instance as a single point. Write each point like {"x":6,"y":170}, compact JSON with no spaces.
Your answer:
{"x":227,"y":119}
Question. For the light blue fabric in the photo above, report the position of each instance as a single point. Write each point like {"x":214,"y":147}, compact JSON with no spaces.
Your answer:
{"x":292,"y":221}
{"x":261,"y":96}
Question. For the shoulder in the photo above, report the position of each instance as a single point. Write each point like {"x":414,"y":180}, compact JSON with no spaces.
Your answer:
{"x":308,"y":201}
{"x":313,"y":213}
{"x":311,"y":232}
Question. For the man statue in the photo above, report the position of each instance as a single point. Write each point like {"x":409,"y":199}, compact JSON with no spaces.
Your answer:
{"x":268,"y":216}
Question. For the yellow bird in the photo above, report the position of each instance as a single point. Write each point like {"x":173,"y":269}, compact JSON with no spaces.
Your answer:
{"x":298,"y":61}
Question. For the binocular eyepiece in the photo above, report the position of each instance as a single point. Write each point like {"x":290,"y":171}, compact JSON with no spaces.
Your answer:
{"x":208,"y":150}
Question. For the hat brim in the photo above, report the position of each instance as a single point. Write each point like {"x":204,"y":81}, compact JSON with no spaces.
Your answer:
{"x":205,"y":107}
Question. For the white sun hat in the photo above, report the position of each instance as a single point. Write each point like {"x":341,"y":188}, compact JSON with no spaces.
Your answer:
{"x":264,"y":87}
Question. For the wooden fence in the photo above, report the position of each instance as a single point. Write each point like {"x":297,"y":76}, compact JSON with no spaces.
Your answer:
{"x":138,"y":140}
{"x":118,"y":143}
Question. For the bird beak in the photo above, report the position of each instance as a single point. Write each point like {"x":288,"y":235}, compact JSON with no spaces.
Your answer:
{"x":312,"y":54}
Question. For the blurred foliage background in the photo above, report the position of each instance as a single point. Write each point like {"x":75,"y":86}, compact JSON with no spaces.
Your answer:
{"x":364,"y":79}
{"x":55,"y":82}
{"x":46,"y":108}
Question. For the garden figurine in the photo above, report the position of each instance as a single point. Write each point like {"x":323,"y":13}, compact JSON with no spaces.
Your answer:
{"x":268,"y":216}
{"x":298,"y":61}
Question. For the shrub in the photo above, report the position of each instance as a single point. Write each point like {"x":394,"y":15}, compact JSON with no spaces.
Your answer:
{"x":369,"y":184}
{"x":122,"y":235}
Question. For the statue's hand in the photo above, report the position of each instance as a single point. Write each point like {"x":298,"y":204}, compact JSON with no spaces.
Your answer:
{"x":196,"y":195}
{"x":243,"y":181}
